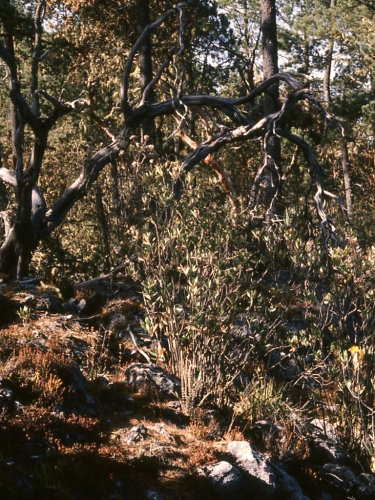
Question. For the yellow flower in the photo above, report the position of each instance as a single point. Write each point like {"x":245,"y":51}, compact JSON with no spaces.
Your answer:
{"x":357,"y":355}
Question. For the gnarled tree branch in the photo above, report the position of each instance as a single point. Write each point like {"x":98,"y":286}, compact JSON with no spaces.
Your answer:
{"x":127,"y":69}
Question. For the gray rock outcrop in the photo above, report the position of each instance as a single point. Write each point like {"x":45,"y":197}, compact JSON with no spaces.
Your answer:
{"x":226,"y":479}
{"x":261,"y":475}
{"x":141,"y":375}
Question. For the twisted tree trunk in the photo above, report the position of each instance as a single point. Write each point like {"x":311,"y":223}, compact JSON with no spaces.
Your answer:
{"x":34,"y":222}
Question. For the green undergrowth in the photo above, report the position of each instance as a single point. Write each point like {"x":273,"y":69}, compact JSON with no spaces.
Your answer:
{"x":307,"y":302}
{"x":209,"y":266}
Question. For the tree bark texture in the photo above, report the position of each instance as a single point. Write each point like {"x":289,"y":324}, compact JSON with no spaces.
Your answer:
{"x":328,"y":66}
{"x":272,"y":168}
{"x":346,"y":174}
{"x":145,"y":64}
{"x":103,"y":227}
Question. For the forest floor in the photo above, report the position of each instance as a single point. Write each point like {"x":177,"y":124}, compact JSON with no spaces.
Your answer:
{"x":58,"y":443}
{"x":72,"y":427}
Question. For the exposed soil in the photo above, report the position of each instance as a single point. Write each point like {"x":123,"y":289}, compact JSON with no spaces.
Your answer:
{"x":56,"y":446}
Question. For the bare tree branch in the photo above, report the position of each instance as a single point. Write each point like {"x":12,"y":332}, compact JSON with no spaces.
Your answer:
{"x":39,"y":14}
{"x":125,"y":76}
{"x":326,"y":223}
{"x":158,"y":75}
{"x":38,"y":202}
{"x":33,"y":223}
{"x":9,"y":60}
{"x":223,"y":175}
{"x":80,"y":186}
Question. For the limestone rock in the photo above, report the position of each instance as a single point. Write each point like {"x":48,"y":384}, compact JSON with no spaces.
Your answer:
{"x":322,"y":429}
{"x":142,"y":375}
{"x":325,"y":451}
{"x":76,"y":398}
{"x":262,"y":477}
{"x":136,"y":434}
{"x":226,"y":479}
{"x":153,"y":495}
{"x":289,"y":487}
{"x":345,"y":483}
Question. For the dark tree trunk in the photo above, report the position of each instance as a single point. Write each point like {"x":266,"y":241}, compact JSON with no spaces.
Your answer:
{"x":270,"y":54}
{"x":11,"y":262}
{"x":145,"y":64}
{"x":344,"y":146}
{"x":13,"y":112}
{"x":347,"y":185}
{"x":103,"y":226}
{"x":23,"y":238}
{"x":327,"y":74}
{"x":116,"y":197}
{"x":272,"y":172}
{"x":328,"y":66}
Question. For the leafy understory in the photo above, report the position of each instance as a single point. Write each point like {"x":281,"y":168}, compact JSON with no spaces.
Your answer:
{"x":182,"y":202}
{"x":256,"y":327}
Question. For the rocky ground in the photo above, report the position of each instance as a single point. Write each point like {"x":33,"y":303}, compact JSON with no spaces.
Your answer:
{"x":86,"y":413}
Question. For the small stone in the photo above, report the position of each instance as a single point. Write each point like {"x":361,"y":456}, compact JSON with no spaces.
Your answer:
{"x":70,"y":308}
{"x":289,"y":486}
{"x":117,"y":322}
{"x":141,"y":375}
{"x":325,"y":451}
{"x":324,"y":429}
{"x":226,"y":479}
{"x":262,"y":476}
{"x":345,"y":482}
{"x":81,"y":305}
{"x":136,"y":434}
